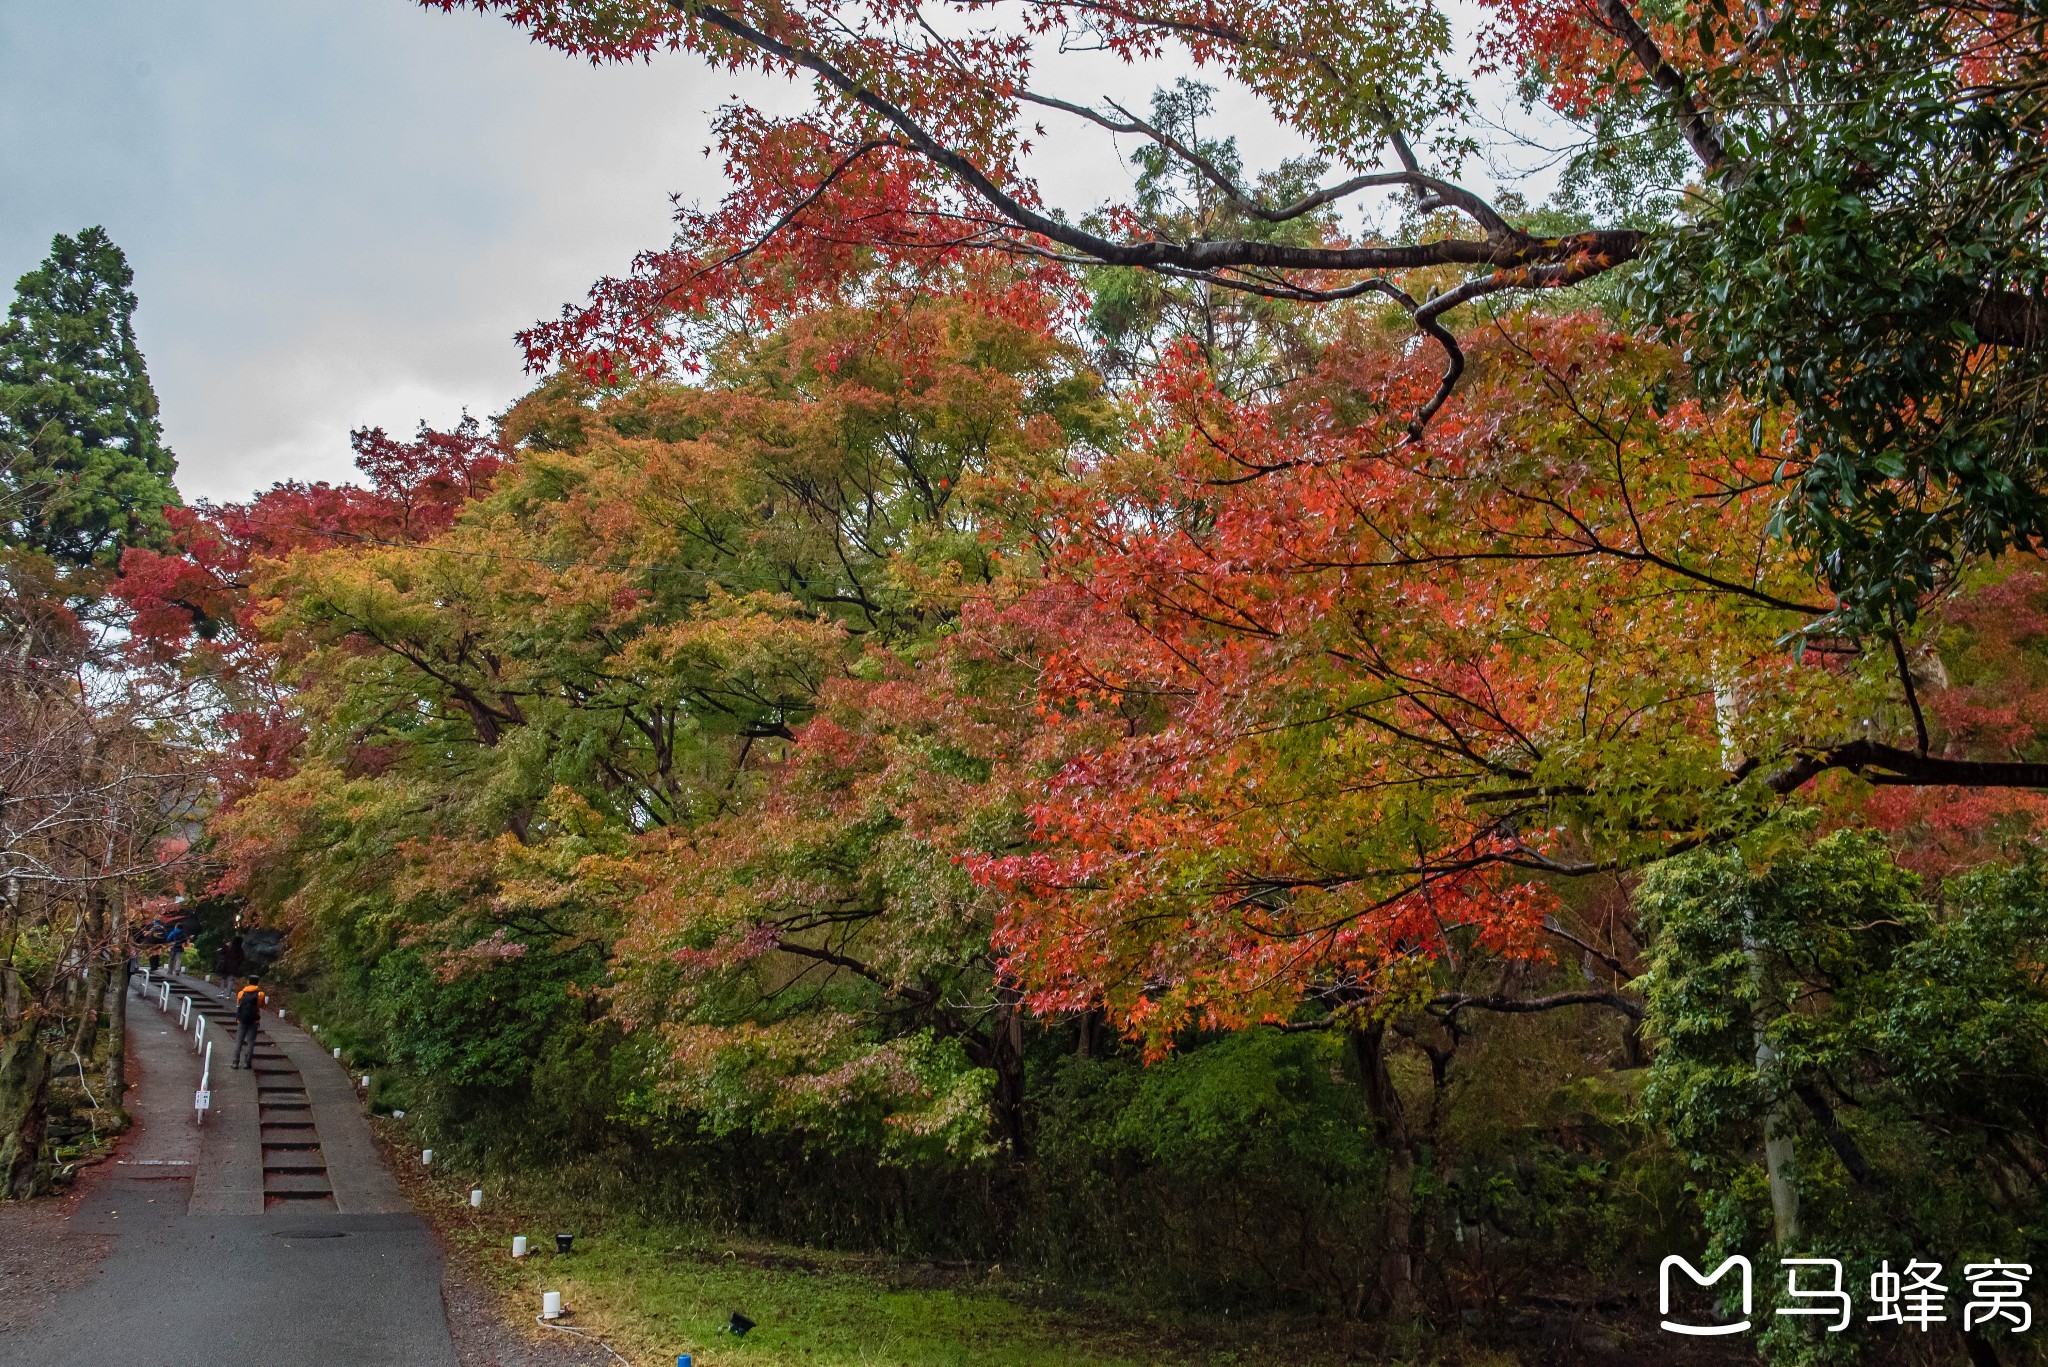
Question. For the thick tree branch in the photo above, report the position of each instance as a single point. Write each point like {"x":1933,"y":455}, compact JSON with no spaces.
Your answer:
{"x":854,"y":966}
{"x":1519,"y":260}
{"x":2006,"y":318}
{"x":1693,"y":123}
{"x":1840,"y":1140}
{"x":1890,"y":765}
{"x":1451,"y":1003}
{"x":1585,"y":250}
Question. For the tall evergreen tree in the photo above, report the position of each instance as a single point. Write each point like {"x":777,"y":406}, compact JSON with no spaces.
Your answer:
{"x":84,"y":471}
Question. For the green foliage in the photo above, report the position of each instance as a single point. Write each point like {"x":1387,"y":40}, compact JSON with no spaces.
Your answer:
{"x":1210,"y":1162}
{"x":485,"y":1029}
{"x":1905,"y":1043}
{"x":86,"y":473}
{"x":1253,"y":1103}
{"x":1838,"y":268}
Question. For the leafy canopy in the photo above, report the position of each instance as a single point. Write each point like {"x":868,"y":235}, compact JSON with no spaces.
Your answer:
{"x":1837,"y":209}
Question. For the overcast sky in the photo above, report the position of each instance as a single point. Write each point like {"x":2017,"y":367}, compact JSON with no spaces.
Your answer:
{"x":339,"y":211}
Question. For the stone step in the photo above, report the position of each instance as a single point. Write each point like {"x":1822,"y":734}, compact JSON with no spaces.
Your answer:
{"x":300,"y":1200}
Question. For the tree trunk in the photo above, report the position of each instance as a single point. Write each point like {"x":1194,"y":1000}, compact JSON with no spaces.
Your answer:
{"x":1783,"y":1175}
{"x":24,"y":1111}
{"x":1982,"y":1354}
{"x":88,"y":1037}
{"x":96,"y":973}
{"x":1397,"y":1215}
{"x":117,"y":1041}
{"x":1780,"y":1167}
{"x":1007,"y":1054}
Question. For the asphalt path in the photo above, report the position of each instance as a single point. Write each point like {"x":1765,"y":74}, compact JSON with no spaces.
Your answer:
{"x":200,"y":1272}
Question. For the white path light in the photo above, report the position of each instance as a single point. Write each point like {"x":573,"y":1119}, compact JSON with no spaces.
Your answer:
{"x":426,"y":1158}
{"x":551,"y":1305}
{"x":519,"y":1245}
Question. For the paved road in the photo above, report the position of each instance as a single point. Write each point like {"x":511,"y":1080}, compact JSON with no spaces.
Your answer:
{"x":215,"y":1261}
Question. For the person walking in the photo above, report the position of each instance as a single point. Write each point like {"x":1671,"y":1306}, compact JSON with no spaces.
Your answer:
{"x":249,"y":1004}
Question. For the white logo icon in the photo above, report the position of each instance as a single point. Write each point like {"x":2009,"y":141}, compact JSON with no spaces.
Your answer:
{"x":1700,"y":1279}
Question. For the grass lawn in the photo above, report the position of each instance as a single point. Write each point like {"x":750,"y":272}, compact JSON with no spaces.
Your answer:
{"x":653,"y":1292}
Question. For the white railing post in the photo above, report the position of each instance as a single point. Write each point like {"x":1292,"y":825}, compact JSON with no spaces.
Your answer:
{"x":202,"y":1100}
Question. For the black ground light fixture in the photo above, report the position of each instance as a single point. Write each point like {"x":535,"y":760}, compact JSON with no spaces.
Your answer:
{"x":563,"y":1242}
{"x":738,"y":1325}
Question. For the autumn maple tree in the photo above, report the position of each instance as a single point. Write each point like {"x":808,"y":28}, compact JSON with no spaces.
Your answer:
{"x":1401,"y":642}
{"x":1850,"y":222}
{"x":190,"y":609}
{"x":653,"y":713}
